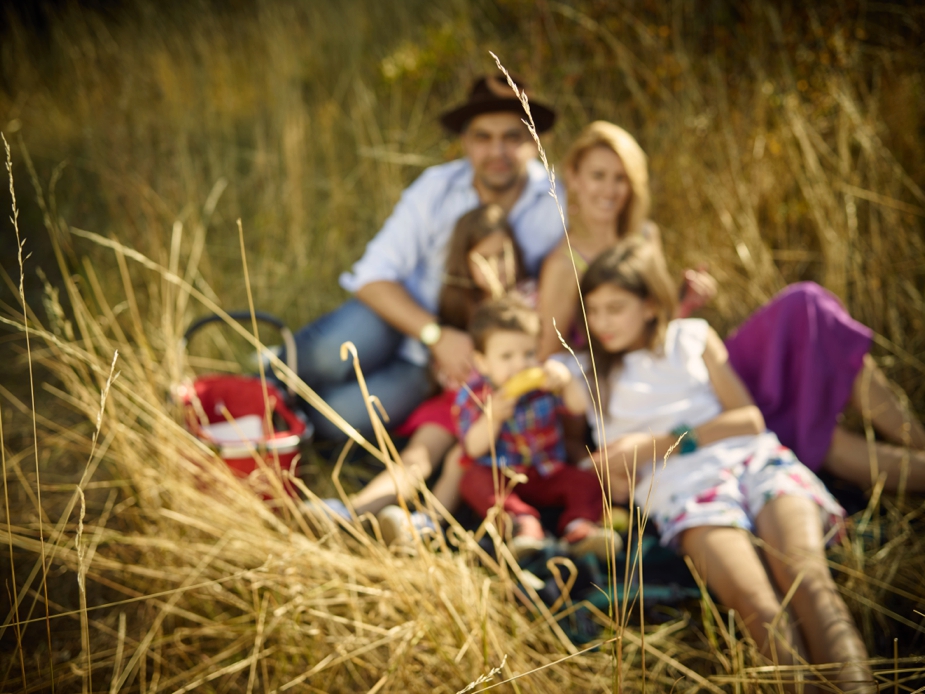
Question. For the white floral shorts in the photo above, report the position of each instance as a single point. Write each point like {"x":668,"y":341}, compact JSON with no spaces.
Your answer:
{"x":733,"y":495}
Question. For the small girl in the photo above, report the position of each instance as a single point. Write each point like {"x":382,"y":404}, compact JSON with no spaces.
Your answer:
{"x":664,"y":380}
{"x":482,"y":261}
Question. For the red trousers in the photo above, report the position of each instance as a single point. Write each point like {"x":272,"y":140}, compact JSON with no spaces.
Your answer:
{"x":578,"y":491}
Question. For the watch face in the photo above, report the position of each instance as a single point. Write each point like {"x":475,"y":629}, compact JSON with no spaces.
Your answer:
{"x":430,"y":333}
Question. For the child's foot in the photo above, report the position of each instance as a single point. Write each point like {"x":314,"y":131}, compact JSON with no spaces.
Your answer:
{"x":396,"y":525}
{"x":528,"y":538}
{"x":585,"y":537}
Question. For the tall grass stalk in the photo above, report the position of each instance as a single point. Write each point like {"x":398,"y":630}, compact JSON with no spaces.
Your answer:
{"x":784,"y":149}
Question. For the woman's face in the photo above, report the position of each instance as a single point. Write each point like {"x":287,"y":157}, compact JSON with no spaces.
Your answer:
{"x":497,"y":252}
{"x":618,"y":318}
{"x":599,"y":187}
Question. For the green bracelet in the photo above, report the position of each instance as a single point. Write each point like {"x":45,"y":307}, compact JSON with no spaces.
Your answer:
{"x":689,"y":443}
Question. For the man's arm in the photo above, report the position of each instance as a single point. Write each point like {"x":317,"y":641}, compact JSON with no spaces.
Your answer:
{"x":391,"y":301}
{"x":391,"y":258}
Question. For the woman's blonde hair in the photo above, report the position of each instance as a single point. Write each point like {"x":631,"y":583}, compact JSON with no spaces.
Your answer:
{"x":603,"y":134}
{"x":637,"y":266}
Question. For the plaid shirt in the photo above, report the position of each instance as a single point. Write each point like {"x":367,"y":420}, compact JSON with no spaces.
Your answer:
{"x":531,"y":437}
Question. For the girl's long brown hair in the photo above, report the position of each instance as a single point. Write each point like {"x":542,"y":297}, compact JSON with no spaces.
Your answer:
{"x":459,"y":295}
{"x":637,"y":266}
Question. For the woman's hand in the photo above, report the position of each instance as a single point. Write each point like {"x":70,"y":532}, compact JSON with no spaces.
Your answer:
{"x":619,"y":459}
{"x":624,"y":449}
{"x":618,"y":480}
{"x":699,"y":290}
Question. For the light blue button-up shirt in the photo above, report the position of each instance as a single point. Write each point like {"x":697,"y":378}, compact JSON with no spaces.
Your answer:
{"x":411,"y":247}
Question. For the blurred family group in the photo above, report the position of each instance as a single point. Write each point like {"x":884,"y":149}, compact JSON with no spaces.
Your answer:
{"x":536,"y":369}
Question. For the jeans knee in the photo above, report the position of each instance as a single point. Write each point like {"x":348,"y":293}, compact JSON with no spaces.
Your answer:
{"x":327,"y":430}
{"x":318,"y":357}
{"x":318,"y":344}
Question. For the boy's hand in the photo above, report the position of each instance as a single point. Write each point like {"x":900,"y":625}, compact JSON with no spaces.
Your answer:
{"x":557,"y":375}
{"x":502,"y":406}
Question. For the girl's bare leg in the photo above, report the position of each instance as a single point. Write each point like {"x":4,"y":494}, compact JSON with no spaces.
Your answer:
{"x":429,"y":443}
{"x":730,"y":565}
{"x":792,"y":529}
{"x":852,"y":458}
{"x":446,"y":490}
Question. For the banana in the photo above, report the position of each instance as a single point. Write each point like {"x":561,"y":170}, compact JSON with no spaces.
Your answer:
{"x":525,"y":381}
{"x":620,"y":519}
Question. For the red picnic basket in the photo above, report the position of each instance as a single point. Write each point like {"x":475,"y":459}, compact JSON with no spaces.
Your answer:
{"x":252,"y":426}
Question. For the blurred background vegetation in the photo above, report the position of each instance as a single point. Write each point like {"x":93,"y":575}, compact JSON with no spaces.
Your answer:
{"x":786,"y":142}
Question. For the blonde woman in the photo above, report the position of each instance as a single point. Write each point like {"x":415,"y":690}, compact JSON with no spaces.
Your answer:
{"x":801,"y":356}
{"x":607,"y":178}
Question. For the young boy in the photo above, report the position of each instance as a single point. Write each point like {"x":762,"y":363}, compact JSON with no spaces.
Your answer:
{"x":504,"y":431}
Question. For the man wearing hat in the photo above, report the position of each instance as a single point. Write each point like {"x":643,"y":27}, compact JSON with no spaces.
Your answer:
{"x":392,"y":321}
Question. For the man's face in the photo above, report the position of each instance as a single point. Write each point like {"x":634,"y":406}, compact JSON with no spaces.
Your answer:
{"x":499,"y":147}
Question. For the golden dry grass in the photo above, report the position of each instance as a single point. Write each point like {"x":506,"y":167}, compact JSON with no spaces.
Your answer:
{"x":783,"y":146}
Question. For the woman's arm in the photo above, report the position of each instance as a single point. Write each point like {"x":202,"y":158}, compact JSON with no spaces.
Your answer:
{"x":558,"y":298}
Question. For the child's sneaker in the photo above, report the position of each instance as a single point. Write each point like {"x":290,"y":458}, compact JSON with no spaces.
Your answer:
{"x":396,"y":525}
{"x":324,"y":513}
{"x":528,"y":538}
{"x":585,"y":537}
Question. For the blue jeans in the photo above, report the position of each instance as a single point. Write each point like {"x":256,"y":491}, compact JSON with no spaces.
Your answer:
{"x":400,"y":385}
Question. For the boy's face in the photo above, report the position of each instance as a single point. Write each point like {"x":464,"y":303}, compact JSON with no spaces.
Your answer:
{"x":506,"y":353}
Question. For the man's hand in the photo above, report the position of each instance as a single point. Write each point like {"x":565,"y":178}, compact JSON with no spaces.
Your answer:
{"x":453,"y":356}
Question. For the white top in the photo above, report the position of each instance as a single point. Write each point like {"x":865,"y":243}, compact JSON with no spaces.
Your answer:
{"x":658,"y":391}
{"x":411,"y":246}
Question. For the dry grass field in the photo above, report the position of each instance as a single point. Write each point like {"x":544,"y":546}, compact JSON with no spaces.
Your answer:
{"x":785,"y":142}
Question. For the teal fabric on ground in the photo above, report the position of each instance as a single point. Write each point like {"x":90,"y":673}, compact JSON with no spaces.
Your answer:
{"x":667,"y":582}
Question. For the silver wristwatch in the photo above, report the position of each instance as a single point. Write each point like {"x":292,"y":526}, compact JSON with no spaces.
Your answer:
{"x":430,"y":334}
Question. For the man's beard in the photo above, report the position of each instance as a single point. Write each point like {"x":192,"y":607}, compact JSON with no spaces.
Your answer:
{"x":502,"y":186}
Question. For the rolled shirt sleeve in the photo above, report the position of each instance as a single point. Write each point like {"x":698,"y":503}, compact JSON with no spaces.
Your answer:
{"x":411,"y":246}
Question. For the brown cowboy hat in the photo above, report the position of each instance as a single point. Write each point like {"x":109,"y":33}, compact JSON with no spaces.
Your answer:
{"x":494,"y":95}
